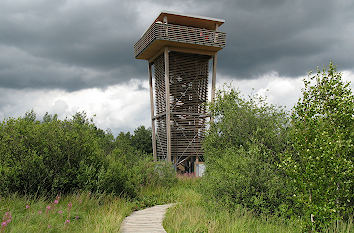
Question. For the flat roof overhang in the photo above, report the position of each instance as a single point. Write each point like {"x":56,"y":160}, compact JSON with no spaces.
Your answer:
{"x":190,"y":20}
{"x":157,"y":45}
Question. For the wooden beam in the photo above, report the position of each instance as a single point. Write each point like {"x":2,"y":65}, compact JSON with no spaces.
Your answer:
{"x":213,"y":81}
{"x":196,"y":165}
{"x":167,"y":99}
{"x":152,"y":59}
{"x":152,"y":115}
{"x":190,"y":114}
{"x":159,"y":115}
{"x":192,"y":51}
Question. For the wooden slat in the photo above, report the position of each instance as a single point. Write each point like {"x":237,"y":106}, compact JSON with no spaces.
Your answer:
{"x":188,"y":94}
{"x":167,"y":99}
{"x":160,"y":35}
{"x":213,"y":82}
{"x":154,"y":152}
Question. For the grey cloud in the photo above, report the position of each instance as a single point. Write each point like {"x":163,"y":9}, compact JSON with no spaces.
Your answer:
{"x":288,"y":37}
{"x":80,"y":44}
{"x":58,"y":45}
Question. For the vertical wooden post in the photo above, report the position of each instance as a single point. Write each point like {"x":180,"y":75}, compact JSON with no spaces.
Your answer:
{"x":152,"y":115}
{"x":196,"y":166}
{"x":168,"y":112}
{"x":213,"y":81}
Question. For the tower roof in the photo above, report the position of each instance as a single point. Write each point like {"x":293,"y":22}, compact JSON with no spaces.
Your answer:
{"x":190,"y":20}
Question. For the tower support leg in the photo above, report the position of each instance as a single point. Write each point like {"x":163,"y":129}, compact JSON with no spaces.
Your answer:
{"x":152,"y":115}
{"x":213,"y":81}
{"x":167,"y":97}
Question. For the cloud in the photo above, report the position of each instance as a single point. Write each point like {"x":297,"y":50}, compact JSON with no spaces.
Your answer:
{"x":125,"y":106}
{"x":79,"y":44}
{"x":119,"y":107}
{"x":279,"y":90}
{"x":66,"y":56}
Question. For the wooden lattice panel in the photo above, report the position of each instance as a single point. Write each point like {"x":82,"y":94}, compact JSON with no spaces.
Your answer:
{"x":188,"y":82}
{"x":160,"y":34}
{"x":160,"y":107}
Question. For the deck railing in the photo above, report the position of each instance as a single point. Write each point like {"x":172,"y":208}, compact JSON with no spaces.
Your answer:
{"x":182,"y":34}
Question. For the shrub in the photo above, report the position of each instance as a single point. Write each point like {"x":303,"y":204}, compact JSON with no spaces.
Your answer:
{"x":127,"y":170}
{"x":242,"y":150}
{"x":321,"y":160}
{"x":158,"y":173}
{"x":47,"y":157}
{"x":141,"y":139}
{"x":61,"y":156}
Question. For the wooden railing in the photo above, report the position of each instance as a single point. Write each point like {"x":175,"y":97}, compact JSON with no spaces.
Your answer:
{"x":179,"y":33}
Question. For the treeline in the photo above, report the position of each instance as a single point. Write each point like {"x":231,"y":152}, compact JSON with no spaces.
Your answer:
{"x":51,"y":156}
{"x":298,"y":164}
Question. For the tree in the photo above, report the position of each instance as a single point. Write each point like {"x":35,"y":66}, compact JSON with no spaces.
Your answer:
{"x":321,"y":160}
{"x":241,"y":151}
{"x":141,"y":139}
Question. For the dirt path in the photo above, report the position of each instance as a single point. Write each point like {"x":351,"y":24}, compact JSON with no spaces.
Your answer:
{"x":146,"y":220}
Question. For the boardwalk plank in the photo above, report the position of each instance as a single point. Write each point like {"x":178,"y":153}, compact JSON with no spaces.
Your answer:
{"x":146,"y":220}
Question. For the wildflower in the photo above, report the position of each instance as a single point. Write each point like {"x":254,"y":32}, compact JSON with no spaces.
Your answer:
{"x":60,"y":212}
{"x":70,"y":205}
{"x":48,"y":208}
{"x":4,"y":224}
{"x":56,"y":201}
{"x":27,"y":207}
{"x":77,"y":217}
{"x":67,"y":221}
{"x":49,"y":226}
{"x":40,"y":212}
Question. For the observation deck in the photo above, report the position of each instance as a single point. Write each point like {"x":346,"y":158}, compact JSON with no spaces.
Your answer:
{"x":199,"y":34}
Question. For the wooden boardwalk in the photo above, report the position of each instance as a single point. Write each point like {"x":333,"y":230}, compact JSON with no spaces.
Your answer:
{"x":146,"y":220}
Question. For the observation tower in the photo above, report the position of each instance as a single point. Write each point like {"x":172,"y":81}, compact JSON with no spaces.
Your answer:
{"x":178,"y":48}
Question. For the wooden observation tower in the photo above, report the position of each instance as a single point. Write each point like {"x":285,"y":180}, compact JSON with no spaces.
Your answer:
{"x":178,"y":48}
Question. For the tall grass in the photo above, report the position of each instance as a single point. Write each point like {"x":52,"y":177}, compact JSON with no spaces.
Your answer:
{"x":82,"y":212}
{"x":191,"y":214}
{"x":73,"y":213}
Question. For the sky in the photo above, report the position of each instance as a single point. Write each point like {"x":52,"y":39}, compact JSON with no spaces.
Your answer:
{"x":66,"y":56}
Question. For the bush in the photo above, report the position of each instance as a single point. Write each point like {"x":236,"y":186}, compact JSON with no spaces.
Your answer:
{"x":242,"y":150}
{"x":55,"y":156}
{"x":47,"y":157}
{"x":142,"y":139}
{"x":321,"y":160}
{"x":127,"y":171}
{"x":158,"y":173}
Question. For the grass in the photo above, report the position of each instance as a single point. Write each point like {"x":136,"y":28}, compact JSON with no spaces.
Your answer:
{"x":104,"y":213}
{"x":192,"y":215}
{"x":88,"y":213}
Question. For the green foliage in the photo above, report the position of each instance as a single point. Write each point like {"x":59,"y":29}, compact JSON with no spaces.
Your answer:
{"x":60,"y":156}
{"x":47,"y":157}
{"x":123,"y":140}
{"x":242,"y":150}
{"x":321,"y":160}
{"x":192,"y":215}
{"x":88,"y":213}
{"x":141,"y":139}
{"x":157,"y":174}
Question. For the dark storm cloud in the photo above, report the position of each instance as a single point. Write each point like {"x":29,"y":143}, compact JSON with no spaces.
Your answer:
{"x":286,"y":36}
{"x":66,"y":44}
{"x":79,"y":44}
